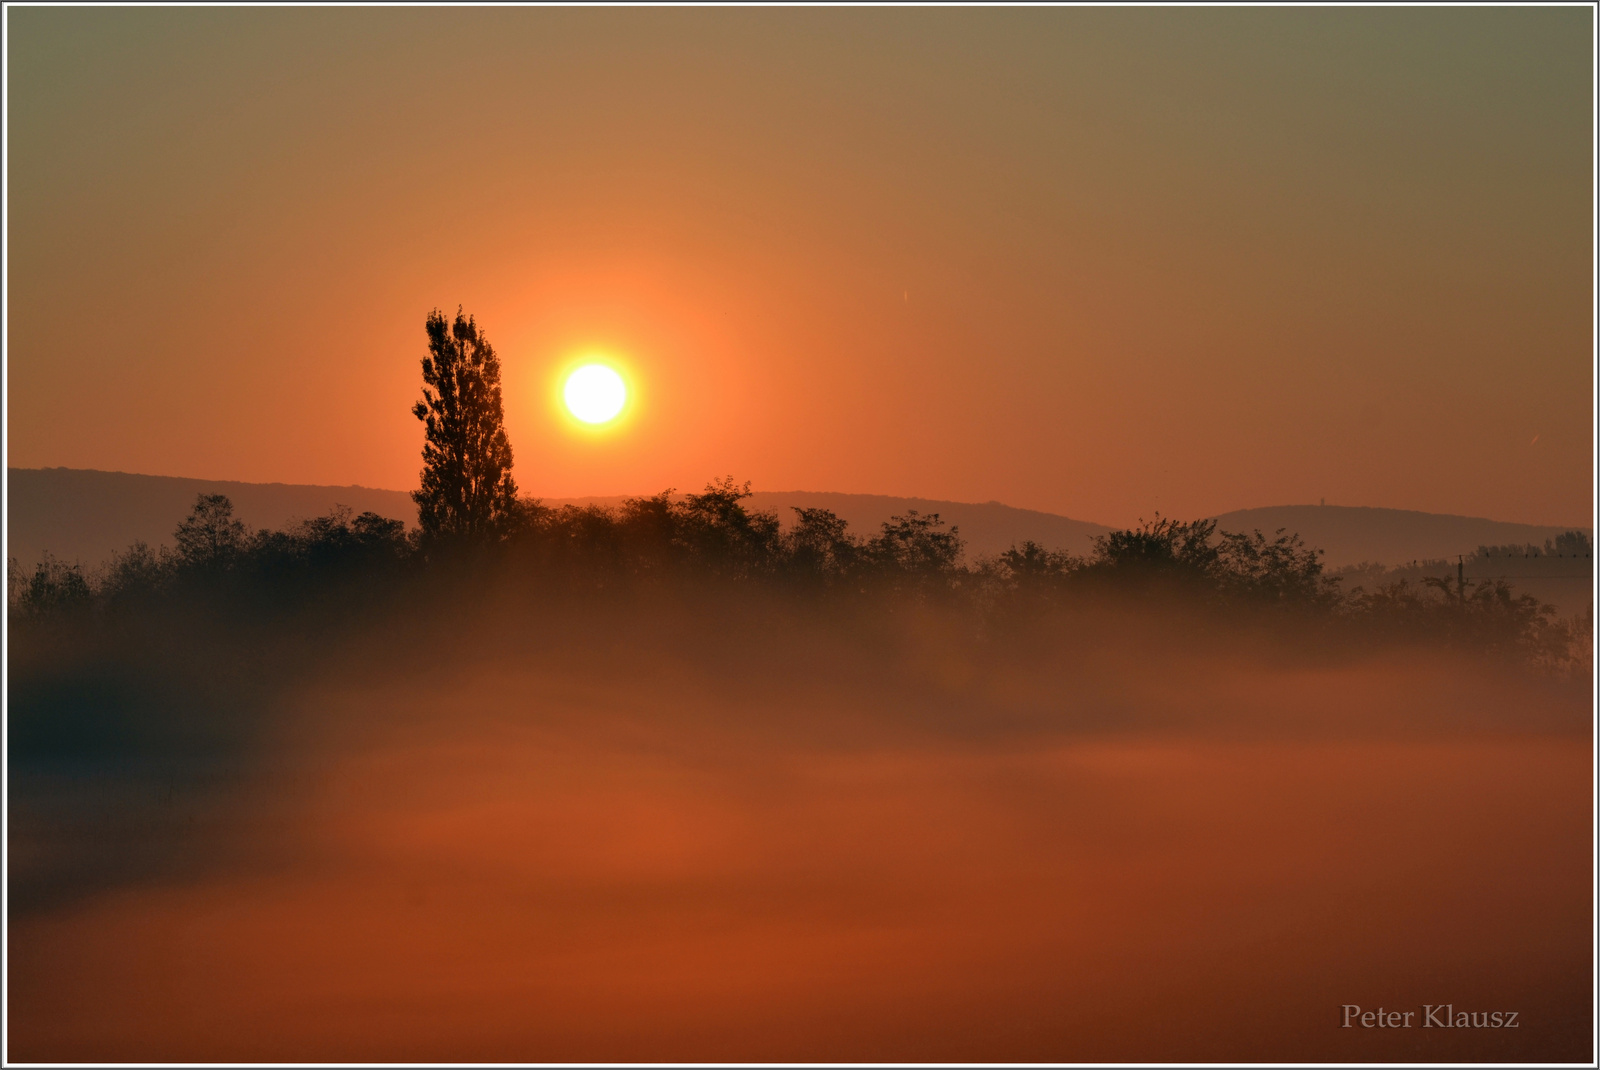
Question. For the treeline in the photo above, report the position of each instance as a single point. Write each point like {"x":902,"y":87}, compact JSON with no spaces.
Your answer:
{"x":1570,"y":545}
{"x":1567,"y":555}
{"x":711,"y":537}
{"x":1559,"y":572}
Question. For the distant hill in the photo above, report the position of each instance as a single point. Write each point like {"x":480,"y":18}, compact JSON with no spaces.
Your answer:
{"x":1351,"y":535}
{"x":987,"y":527}
{"x":86,"y":516}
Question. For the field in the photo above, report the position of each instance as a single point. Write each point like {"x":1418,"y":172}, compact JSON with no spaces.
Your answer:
{"x":696,"y":827}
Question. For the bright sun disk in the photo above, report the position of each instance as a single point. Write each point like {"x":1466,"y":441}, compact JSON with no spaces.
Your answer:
{"x":595,"y":393}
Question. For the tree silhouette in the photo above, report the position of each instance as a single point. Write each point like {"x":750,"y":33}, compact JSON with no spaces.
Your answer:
{"x":1162,"y":547}
{"x":1283,"y":569}
{"x":467,"y":491}
{"x":820,"y":545}
{"x":916,"y":546}
{"x":54,"y":586}
{"x":1030,"y":565}
{"x":210,"y":535}
{"x":723,"y":535}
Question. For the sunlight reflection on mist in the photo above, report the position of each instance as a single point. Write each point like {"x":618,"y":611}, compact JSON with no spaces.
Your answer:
{"x":732,"y":833}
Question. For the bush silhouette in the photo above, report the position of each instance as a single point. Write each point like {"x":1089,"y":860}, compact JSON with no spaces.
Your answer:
{"x":52,"y":587}
{"x":1159,"y":549}
{"x":670,"y":541}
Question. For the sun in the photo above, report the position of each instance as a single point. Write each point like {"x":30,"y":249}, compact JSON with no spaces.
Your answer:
{"x":595,"y":393}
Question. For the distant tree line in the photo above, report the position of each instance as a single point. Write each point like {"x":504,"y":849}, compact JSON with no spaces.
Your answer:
{"x":711,"y":537}
{"x":471,"y":516}
{"x":1567,"y":555}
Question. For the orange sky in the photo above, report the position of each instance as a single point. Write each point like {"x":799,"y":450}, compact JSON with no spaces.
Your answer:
{"x":1097,"y":262}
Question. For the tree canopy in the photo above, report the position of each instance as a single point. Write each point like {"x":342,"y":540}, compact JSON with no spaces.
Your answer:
{"x":467,"y":492}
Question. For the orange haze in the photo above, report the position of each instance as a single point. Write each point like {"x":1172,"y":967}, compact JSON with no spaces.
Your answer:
{"x":704,"y":832}
{"x":1095,"y":262}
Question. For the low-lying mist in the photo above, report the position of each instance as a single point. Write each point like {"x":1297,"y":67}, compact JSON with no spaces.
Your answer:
{"x":500,"y":810}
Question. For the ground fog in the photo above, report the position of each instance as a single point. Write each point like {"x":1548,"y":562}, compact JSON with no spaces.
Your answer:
{"x":691,"y":824}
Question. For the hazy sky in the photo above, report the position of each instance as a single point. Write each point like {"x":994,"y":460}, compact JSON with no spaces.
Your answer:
{"x":1098,"y":262}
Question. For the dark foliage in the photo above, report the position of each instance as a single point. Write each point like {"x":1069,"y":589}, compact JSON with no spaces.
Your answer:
{"x":1281,"y":570}
{"x":467,"y":492}
{"x":1161,"y":550}
{"x":210,"y":537}
{"x":217,"y":558}
{"x":915,"y":550}
{"x":722,"y":535}
{"x":820,"y":549}
{"x":52,"y":587}
{"x":1566,"y":546}
{"x":672,"y":542}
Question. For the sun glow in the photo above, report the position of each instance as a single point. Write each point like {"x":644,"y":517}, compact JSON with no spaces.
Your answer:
{"x":595,"y":393}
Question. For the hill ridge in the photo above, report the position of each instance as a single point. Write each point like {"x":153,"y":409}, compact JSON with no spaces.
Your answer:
{"x":86,"y":515}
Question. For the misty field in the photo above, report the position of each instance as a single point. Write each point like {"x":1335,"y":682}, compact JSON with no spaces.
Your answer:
{"x":1162,"y":634}
{"x":701,"y":823}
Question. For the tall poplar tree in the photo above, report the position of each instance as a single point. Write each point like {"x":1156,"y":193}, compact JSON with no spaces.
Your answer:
{"x":467,"y":490}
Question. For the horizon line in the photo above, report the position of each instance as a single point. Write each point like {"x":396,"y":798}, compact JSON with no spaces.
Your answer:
{"x":839,"y":493}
